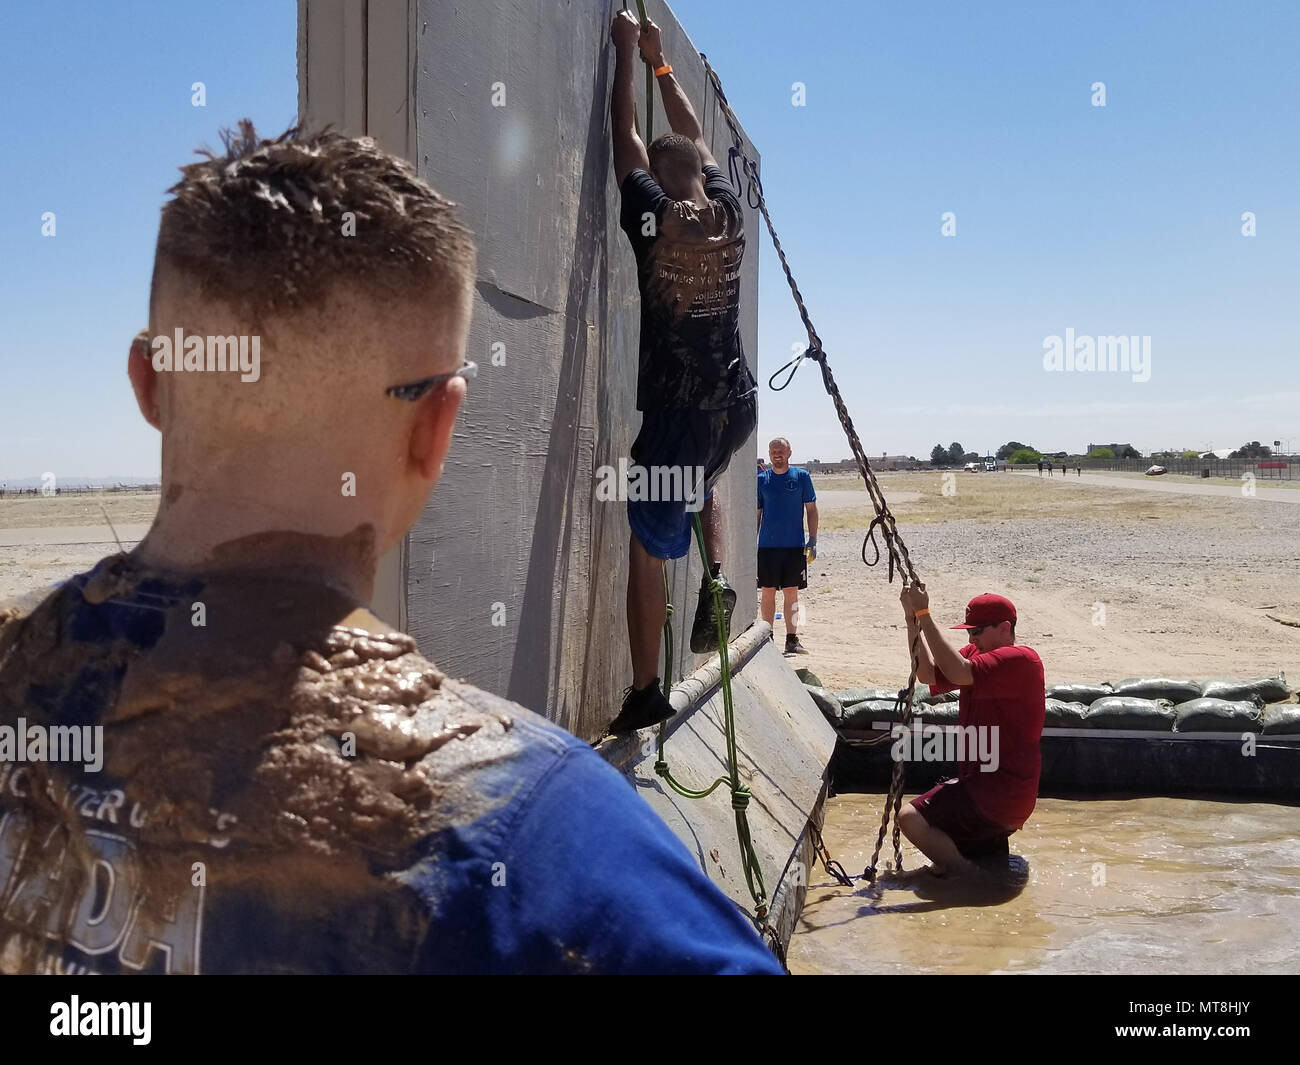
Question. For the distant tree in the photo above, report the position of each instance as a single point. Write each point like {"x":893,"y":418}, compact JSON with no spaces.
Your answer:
{"x":955,"y":452}
{"x":1010,"y":448}
{"x":1024,"y":455}
{"x":1101,"y":453}
{"x":1128,"y":451}
{"x":938,"y":455}
{"x":1253,"y":450}
{"x":970,"y":456}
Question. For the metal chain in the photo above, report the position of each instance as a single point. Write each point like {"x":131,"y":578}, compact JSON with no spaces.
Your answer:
{"x":897,"y":550}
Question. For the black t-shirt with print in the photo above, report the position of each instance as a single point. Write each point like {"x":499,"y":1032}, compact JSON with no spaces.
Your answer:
{"x":688,"y":268}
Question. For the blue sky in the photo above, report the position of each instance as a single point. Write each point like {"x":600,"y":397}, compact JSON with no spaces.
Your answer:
{"x":1117,"y":220}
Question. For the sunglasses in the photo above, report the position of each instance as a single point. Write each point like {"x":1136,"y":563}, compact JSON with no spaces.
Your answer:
{"x":977,"y":629}
{"x":415,"y":389}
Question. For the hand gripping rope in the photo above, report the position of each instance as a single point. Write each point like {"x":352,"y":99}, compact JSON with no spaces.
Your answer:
{"x":741,"y":164}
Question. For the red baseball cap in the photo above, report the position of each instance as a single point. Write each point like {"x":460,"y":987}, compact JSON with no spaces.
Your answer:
{"x":988,"y":609}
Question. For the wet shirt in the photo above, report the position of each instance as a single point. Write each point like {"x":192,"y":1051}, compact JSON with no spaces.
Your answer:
{"x":781,"y":499}
{"x":1007,"y":692}
{"x":268,"y":793}
{"x":688,"y":269}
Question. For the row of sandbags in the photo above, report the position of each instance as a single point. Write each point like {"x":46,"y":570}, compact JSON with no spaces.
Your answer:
{"x":1159,"y":705}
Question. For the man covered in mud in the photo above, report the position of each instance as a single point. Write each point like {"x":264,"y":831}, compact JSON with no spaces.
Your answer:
{"x":694,"y":388}
{"x":1003,"y":699}
{"x":287,"y":785}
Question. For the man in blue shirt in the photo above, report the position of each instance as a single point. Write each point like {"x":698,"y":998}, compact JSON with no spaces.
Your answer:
{"x":268,"y":777}
{"x":785,"y":495}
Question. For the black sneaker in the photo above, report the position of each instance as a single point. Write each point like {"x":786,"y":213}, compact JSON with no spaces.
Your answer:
{"x":641,"y":709}
{"x":704,"y":633}
{"x":793,"y":646}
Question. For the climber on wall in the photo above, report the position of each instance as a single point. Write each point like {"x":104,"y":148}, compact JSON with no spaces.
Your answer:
{"x":694,"y":389}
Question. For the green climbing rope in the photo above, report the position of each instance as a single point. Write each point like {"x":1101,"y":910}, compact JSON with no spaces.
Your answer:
{"x":740,"y":793}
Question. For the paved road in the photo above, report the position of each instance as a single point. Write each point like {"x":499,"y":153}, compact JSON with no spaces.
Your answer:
{"x":67,"y":535}
{"x":1157,"y":484}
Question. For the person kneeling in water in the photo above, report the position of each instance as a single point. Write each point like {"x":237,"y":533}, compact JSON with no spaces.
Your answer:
{"x":1002,"y":691}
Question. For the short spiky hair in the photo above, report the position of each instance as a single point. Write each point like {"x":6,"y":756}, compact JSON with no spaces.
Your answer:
{"x":272,"y":225}
{"x":675,"y":152}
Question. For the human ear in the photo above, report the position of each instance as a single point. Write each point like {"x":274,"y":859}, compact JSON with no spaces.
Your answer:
{"x":435,"y":421}
{"x":144,"y":379}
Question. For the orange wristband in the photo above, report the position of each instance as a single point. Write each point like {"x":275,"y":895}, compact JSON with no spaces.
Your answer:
{"x":665,"y":69}
{"x":923,"y":610}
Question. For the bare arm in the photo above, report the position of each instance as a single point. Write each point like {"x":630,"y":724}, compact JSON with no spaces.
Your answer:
{"x":811,"y":510}
{"x":760,"y":522}
{"x":956,"y":668}
{"x":924,"y":662}
{"x":681,"y":115}
{"x":939,"y":651}
{"x":629,"y":150}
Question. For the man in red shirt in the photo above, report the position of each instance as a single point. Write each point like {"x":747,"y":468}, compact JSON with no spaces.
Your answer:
{"x":1002,"y":691}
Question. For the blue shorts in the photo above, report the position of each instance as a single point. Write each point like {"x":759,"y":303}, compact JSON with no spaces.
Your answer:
{"x":684,"y":439}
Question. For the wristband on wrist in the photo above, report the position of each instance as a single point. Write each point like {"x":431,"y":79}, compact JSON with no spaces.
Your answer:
{"x":923,"y":610}
{"x":665,"y":69}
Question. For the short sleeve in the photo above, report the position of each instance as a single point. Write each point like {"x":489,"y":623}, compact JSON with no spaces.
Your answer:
{"x":809,"y":494}
{"x":596,"y":874}
{"x":941,"y":683}
{"x":642,"y":196}
{"x":716,"y":185}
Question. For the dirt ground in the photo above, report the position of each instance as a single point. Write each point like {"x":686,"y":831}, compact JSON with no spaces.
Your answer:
{"x":1110,"y":580}
{"x":46,"y":539}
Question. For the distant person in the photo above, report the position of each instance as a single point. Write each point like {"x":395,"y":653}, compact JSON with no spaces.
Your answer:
{"x":785,"y":497}
{"x":286,"y":784}
{"x":1040,"y":468}
{"x":1002,"y":690}
{"x":1078,"y":471}
{"x":695,"y":391}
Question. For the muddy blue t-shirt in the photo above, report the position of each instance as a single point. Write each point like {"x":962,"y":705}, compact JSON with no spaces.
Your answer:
{"x":268,"y":793}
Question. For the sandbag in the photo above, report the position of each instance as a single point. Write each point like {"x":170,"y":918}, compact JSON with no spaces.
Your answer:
{"x":1217,"y":715}
{"x":1176,"y":691}
{"x":1079,"y":693}
{"x":808,"y":677}
{"x":853,"y":696}
{"x":1061,"y":713}
{"x":1130,"y":712}
{"x":1265,"y":690}
{"x":861,"y":715}
{"x":946,"y":697}
{"x":939,"y":713}
{"x":1282,"y":719}
{"x":826,"y":703}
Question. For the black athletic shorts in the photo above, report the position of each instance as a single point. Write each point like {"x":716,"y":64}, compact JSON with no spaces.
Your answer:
{"x":782,"y":567}
{"x":682,"y":439}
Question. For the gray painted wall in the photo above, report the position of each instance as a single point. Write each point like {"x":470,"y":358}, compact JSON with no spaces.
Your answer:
{"x":514,"y":528}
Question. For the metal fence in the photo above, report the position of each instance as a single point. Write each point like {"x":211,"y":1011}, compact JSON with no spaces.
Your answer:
{"x":80,"y":489}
